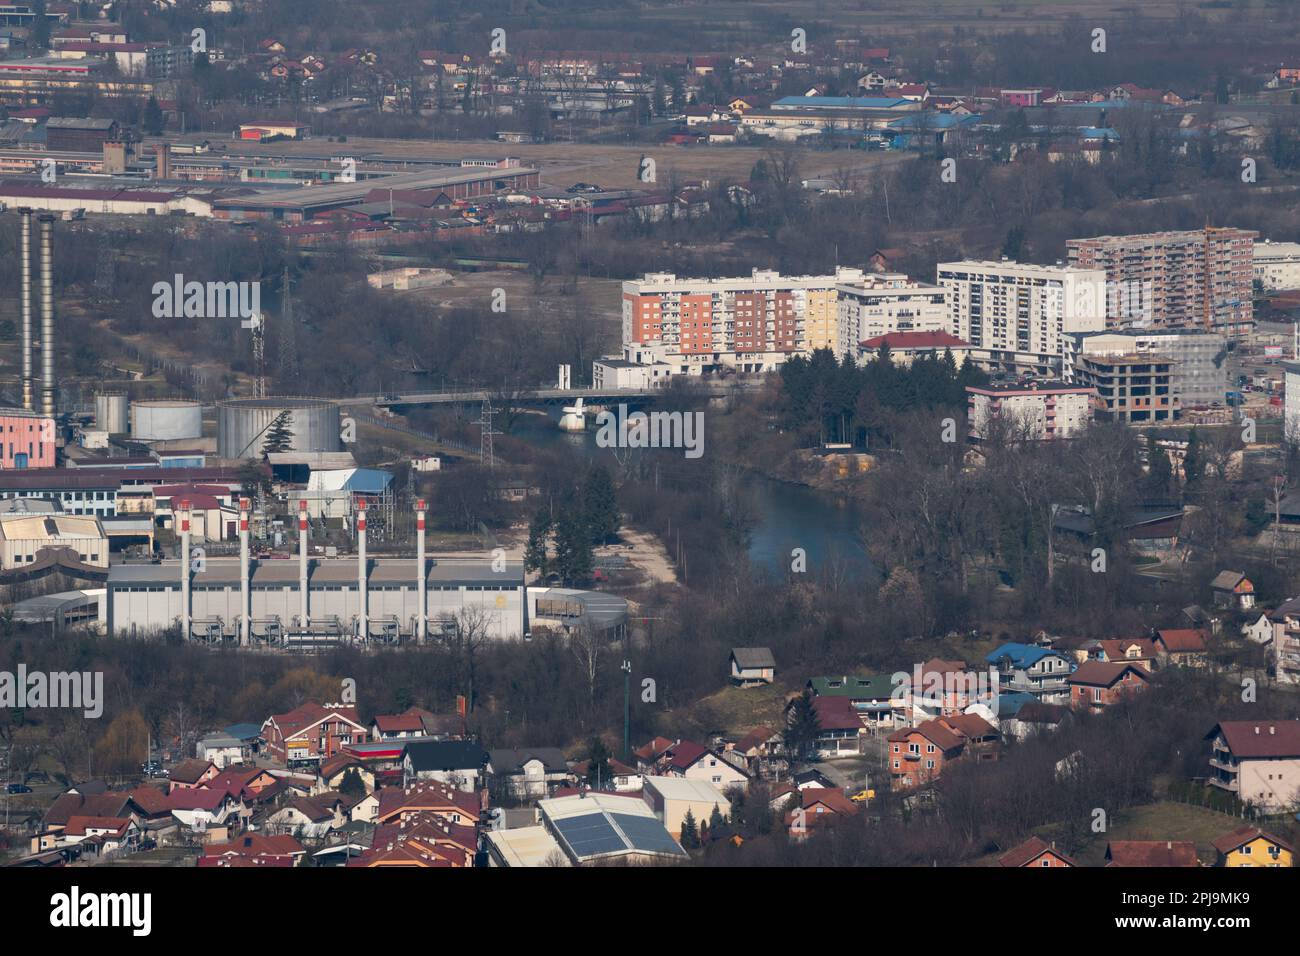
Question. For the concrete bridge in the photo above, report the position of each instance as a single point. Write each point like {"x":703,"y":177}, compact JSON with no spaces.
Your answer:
{"x":534,"y":396}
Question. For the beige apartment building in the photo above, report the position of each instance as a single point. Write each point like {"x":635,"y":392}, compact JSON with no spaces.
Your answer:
{"x":1258,"y":761}
{"x":1175,"y":279}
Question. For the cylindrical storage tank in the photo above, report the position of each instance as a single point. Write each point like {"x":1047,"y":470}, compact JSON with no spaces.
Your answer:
{"x":166,"y":419}
{"x":112,"y":414}
{"x":244,"y":424}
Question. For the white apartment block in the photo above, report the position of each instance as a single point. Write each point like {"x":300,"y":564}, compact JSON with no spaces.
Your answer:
{"x":1022,"y":314}
{"x":1032,"y":412}
{"x":1277,"y":265}
{"x":1291,"y":401}
{"x":880,"y":304}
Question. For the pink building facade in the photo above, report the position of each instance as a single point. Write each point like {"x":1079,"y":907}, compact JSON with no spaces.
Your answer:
{"x":26,"y":439}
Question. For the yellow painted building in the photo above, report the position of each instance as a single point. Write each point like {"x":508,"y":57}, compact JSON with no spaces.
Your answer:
{"x":821,"y":321}
{"x":1251,"y":846}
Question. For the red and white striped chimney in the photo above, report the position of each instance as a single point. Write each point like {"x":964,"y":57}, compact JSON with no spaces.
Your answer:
{"x":303,"y":606}
{"x":245,"y":608}
{"x":184,"y":518}
{"x":421,"y":575}
{"x":363,"y":621}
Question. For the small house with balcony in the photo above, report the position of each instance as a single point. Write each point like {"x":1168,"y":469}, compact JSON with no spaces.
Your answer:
{"x":1257,"y":761}
{"x":1031,"y":669}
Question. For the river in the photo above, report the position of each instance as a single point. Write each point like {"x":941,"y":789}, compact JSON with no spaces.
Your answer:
{"x":786,"y":516}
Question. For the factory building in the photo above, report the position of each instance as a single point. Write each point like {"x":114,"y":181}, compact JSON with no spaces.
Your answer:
{"x":146,"y":599}
{"x":26,"y":439}
{"x":24,"y":536}
{"x":315,"y":601}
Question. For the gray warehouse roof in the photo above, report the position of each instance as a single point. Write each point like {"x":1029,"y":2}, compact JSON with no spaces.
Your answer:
{"x":326,"y":572}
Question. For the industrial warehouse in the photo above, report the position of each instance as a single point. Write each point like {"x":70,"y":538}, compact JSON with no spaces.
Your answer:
{"x":322,"y":601}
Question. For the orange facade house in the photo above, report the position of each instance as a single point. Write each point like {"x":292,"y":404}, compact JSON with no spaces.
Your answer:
{"x":1036,"y":852}
{"x":1096,"y":684}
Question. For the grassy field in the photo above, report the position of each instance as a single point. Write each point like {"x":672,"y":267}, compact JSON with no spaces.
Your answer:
{"x":612,"y":166}
{"x":1153,"y":821}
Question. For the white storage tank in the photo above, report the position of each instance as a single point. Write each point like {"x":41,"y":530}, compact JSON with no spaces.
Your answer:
{"x":166,"y":420}
{"x":242,"y":425}
{"x":112,"y":414}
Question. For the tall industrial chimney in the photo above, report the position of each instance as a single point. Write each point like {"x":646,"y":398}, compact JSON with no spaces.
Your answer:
{"x":302,"y":563}
{"x":162,"y":168}
{"x":245,"y":625}
{"x":363,"y":623}
{"x":25,"y":298}
{"x":421,"y":575}
{"x":185,"y":569}
{"x":47,"y":315}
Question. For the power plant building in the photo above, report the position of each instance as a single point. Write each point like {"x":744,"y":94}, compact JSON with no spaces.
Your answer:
{"x":146,"y":599}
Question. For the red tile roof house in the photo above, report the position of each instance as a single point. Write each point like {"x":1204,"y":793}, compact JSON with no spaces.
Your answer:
{"x":648,"y":755}
{"x":690,"y":760}
{"x":1147,"y":853}
{"x":190,"y":774}
{"x":1246,"y":836}
{"x":756,"y":749}
{"x":200,"y":809}
{"x":917,"y":755}
{"x":1036,"y":852}
{"x":397,"y":726}
{"x":1137,"y":650}
{"x":841,"y":730}
{"x":1185,"y":646}
{"x":452,"y":805}
{"x":103,"y":836}
{"x":312,"y":732}
{"x":960,"y":689}
{"x":818,"y":807}
{"x":1096,"y":685}
{"x":455,"y":841}
{"x":254,"y":849}
{"x":69,"y":805}
{"x":308,"y":817}
{"x":332,"y":772}
{"x":1257,"y":761}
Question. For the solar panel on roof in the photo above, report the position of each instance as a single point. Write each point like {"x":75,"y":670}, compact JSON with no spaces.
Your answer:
{"x":590,"y":834}
{"x":646,"y":834}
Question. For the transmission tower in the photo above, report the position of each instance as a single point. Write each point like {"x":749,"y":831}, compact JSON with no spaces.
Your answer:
{"x":486,"y":454}
{"x":105,"y":267}
{"x":287,"y":372}
{"x":259,"y":357}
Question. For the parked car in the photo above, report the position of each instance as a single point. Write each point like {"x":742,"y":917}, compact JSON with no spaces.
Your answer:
{"x":18,"y":788}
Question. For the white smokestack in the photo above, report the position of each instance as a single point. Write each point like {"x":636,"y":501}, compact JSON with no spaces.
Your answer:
{"x":47,"y":315}
{"x":363,"y":623}
{"x":185,"y":569}
{"x":302,"y":563}
{"x":421,"y":576}
{"x":25,"y":300}
{"x":245,"y":625}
